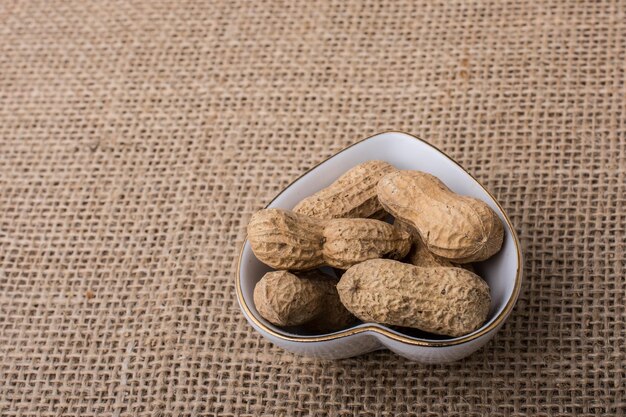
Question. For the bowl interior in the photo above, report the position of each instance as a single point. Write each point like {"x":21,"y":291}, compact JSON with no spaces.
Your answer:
{"x":404,"y":152}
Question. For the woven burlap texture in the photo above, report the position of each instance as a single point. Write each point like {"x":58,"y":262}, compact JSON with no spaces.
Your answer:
{"x":136,"y":139}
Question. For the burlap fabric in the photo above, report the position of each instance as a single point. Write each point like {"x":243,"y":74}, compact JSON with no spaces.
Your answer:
{"x":136,"y":138}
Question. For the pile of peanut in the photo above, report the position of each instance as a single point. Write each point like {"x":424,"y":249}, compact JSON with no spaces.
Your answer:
{"x":416,"y":272}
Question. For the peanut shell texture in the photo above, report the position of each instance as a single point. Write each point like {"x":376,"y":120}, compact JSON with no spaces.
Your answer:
{"x":287,"y":240}
{"x":311,"y":300}
{"x":350,"y":241}
{"x":351,"y":195}
{"x":441,"y":300}
{"x":420,"y":255}
{"x":457,"y":228}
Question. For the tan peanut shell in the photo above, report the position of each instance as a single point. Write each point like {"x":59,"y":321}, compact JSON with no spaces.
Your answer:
{"x":286,"y":300}
{"x":351,"y":195}
{"x":350,"y":241}
{"x":419,"y":255}
{"x":287,"y":240}
{"x":441,"y":300}
{"x":458,"y":228}
{"x":310,"y":299}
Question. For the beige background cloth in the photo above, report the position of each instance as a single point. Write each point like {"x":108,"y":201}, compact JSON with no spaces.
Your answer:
{"x":136,"y":139}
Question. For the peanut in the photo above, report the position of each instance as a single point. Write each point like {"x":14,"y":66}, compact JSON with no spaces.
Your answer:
{"x":457,"y":228}
{"x":350,"y":241}
{"x":310,"y":299}
{"x":440,"y":300}
{"x":352,"y":195}
{"x":419,"y":255}
{"x":287,"y":240}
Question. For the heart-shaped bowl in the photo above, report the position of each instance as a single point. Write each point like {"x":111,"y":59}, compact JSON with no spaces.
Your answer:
{"x":503,"y":272}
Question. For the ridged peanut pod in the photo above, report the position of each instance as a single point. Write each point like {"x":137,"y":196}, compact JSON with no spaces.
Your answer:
{"x":350,"y":241}
{"x":419,"y":255}
{"x":286,"y":240}
{"x":458,"y":228}
{"x":310,"y":299}
{"x":352,"y":195}
{"x":445,"y":301}
{"x":333,"y":316}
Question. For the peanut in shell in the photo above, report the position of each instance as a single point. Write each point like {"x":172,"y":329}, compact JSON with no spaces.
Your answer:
{"x":441,"y":300}
{"x":287,"y":240}
{"x":350,"y":241}
{"x":353,"y":195}
{"x":457,"y":228}
{"x":310,"y":300}
{"x":419,"y":255}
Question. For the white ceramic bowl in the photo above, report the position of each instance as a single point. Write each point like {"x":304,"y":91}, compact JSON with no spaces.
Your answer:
{"x":503,"y":272}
